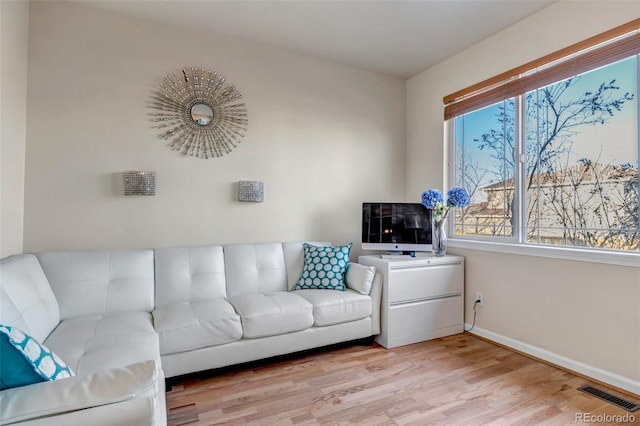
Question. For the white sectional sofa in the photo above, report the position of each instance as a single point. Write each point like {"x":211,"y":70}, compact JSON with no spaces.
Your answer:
{"x":124,"y":320}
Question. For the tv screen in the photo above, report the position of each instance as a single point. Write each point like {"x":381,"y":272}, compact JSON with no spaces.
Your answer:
{"x":396,"y":227}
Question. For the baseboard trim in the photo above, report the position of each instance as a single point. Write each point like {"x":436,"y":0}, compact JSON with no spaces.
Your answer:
{"x":589,"y":371}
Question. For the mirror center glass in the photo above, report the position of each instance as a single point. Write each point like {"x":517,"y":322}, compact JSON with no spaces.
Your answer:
{"x":202,"y":114}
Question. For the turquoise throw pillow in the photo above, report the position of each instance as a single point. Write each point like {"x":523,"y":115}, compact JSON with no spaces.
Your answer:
{"x":324,"y":267}
{"x":24,"y":361}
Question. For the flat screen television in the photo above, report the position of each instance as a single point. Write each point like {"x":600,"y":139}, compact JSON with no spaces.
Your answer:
{"x":396,"y":227}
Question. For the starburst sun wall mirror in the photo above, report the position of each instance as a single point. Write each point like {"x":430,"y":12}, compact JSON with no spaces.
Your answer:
{"x":199,"y":112}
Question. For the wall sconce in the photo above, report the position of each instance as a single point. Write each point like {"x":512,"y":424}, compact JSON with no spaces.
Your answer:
{"x":251,"y":191}
{"x":137,"y":182}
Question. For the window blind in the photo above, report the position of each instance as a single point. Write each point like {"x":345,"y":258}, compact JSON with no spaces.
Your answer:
{"x":610,"y":46}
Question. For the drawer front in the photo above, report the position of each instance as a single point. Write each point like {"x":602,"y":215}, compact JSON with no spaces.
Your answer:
{"x":409,"y":284}
{"x":415,"y":322}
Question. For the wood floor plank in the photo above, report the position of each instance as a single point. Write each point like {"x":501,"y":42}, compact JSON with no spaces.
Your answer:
{"x":456,"y":380}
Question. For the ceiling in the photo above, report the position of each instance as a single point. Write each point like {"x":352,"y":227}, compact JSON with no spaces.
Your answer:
{"x":396,"y":37}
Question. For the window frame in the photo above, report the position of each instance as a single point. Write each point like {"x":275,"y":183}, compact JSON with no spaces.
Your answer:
{"x":518,"y":243}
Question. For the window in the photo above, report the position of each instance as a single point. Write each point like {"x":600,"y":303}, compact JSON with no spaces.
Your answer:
{"x":485,"y":167}
{"x":550,"y":151}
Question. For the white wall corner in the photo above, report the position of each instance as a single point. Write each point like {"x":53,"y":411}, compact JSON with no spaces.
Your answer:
{"x":14,"y":32}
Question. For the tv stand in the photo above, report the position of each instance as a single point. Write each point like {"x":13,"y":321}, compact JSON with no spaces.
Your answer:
{"x":404,"y":255}
{"x":422,"y":297}
{"x":397,"y":254}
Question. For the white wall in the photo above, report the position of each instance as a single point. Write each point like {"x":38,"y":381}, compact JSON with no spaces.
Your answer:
{"x":587,"y":312}
{"x":14,"y":31}
{"x":322,"y":137}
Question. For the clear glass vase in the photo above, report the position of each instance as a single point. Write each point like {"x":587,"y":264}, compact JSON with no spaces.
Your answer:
{"x":438,"y":237}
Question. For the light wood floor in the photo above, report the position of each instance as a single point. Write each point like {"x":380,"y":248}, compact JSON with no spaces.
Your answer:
{"x":457,"y":380}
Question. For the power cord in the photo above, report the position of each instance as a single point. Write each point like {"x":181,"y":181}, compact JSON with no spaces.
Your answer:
{"x":475,"y":311}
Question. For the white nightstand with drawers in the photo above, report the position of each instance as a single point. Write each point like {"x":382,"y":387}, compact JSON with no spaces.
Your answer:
{"x":422,"y":298}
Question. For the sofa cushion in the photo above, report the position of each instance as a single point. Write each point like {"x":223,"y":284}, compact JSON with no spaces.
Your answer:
{"x":360,"y":277}
{"x":187,"y":326}
{"x":271,"y":314}
{"x":26,"y":299}
{"x":254,"y":268}
{"x":324,"y":267}
{"x":93,"y":343}
{"x":189,"y":274}
{"x":334,"y":307}
{"x":96,"y":282}
{"x":24,"y":361}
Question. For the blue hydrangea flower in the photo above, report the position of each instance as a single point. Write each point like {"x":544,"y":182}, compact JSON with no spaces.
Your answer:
{"x":431,"y":197}
{"x":458,"y":197}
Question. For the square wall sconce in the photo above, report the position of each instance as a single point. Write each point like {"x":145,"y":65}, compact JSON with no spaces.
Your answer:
{"x":137,"y":182}
{"x":252,"y":191}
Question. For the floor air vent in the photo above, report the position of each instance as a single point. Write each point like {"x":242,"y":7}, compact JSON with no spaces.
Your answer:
{"x":622,"y":403}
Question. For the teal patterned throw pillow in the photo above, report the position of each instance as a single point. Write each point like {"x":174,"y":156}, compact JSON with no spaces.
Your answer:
{"x":324,"y":267}
{"x":25,"y":361}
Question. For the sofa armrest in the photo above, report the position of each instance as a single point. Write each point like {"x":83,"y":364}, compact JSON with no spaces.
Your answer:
{"x":376,"y":301}
{"x":79,"y":392}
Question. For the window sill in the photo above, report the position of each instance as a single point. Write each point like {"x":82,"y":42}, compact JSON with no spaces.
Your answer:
{"x":581,"y":255}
